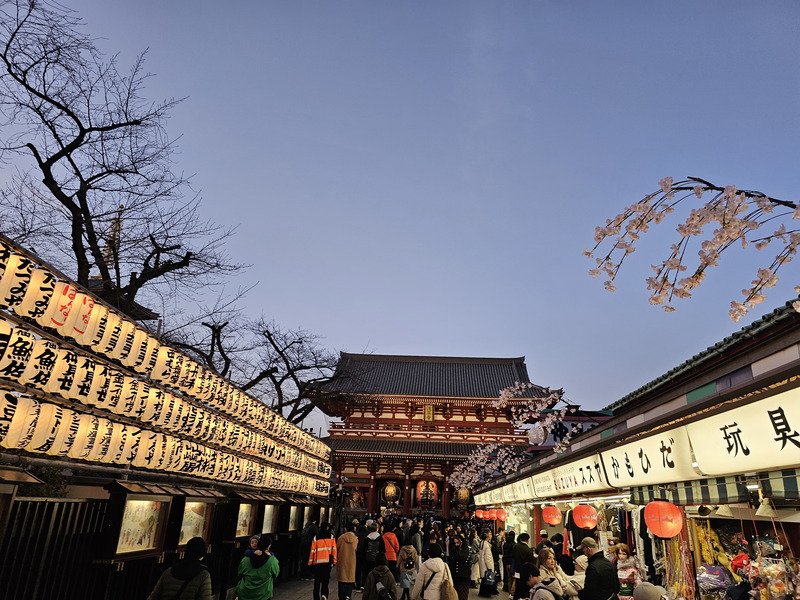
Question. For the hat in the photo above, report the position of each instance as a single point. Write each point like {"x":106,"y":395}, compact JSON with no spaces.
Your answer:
{"x":368,"y":522}
{"x":583,"y":561}
{"x":588,"y":542}
{"x":543,"y":533}
{"x":648,"y":591}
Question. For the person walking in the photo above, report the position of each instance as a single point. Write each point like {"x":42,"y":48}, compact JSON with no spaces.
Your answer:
{"x":601,"y":581}
{"x":508,"y":547}
{"x":257,"y":572}
{"x":391,"y":547}
{"x":321,"y":558}
{"x":346,"y":562}
{"x":460,"y":566}
{"x":380,"y":578}
{"x":188,"y":578}
{"x":431,"y":575}
{"x":520,"y":555}
{"x":407,"y":570}
{"x":306,"y":536}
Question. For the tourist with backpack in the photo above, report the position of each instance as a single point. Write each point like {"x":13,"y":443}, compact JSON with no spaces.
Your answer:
{"x":373,"y":547}
{"x":407,"y":570}
{"x":380,"y":583}
{"x":392,"y":547}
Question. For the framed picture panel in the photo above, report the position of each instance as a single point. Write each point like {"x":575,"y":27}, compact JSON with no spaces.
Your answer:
{"x":143,"y":524}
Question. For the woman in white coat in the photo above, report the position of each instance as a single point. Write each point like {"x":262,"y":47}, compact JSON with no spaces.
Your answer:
{"x":430,"y":576}
{"x":485,"y":559}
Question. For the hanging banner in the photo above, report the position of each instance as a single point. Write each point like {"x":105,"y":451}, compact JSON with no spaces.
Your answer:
{"x":660,"y":458}
{"x":761,"y":436}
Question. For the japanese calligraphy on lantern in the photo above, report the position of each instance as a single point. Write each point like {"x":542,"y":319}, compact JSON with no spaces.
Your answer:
{"x":659,"y":458}
{"x":761,"y":435}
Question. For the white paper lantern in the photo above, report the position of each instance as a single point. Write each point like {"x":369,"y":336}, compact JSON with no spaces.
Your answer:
{"x":77,"y":322}
{"x":100,"y":384}
{"x":95,"y":327}
{"x":18,"y":418}
{"x":14,"y":280}
{"x":66,"y":435}
{"x":110,"y":330}
{"x":63,"y":374}
{"x":18,"y":351}
{"x":138,"y":348}
{"x":5,"y":255}
{"x":84,"y":377}
{"x":41,"y":363}
{"x":177,"y":367}
{"x":37,"y":295}
{"x":116,"y":383}
{"x":47,"y":428}
{"x":88,"y":427}
{"x":102,"y":443}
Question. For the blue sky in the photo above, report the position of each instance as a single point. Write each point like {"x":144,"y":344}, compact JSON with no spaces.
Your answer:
{"x":421,"y":177}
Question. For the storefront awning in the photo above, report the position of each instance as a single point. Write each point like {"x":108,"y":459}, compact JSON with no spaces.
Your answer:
{"x":719,"y":490}
{"x":781,"y":484}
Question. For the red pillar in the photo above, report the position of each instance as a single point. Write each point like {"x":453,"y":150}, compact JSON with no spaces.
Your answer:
{"x":372,"y":498}
{"x":446,"y":499}
{"x":537,"y":522}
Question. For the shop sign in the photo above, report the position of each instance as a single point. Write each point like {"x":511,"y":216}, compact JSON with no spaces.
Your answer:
{"x":508,"y":493}
{"x":585,"y":475}
{"x":659,"y":458}
{"x":543,"y":485}
{"x":763,"y":435}
{"x":523,"y":489}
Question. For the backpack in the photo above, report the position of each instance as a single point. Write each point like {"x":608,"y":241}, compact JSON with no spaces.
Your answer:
{"x":409,"y":562}
{"x":373,"y":548}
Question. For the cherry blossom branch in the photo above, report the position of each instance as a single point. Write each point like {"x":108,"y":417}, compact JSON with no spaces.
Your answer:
{"x":736,"y":214}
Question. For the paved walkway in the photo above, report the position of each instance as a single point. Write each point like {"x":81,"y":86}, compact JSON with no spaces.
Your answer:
{"x":304,"y":590}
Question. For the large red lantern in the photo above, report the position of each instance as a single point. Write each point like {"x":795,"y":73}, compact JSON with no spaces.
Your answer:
{"x":663,"y":518}
{"x":551,"y":515}
{"x":492,"y":514}
{"x":585,"y":516}
{"x":501,"y":515}
{"x":479,"y":513}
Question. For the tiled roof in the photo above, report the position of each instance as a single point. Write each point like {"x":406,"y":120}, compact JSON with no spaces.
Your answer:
{"x":779,"y":316}
{"x":428,"y":376}
{"x":402,"y":448}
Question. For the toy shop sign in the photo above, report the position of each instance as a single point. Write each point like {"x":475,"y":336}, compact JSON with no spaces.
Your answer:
{"x":760,"y":436}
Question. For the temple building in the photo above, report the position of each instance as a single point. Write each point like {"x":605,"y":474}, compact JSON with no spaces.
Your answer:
{"x":408,"y":421}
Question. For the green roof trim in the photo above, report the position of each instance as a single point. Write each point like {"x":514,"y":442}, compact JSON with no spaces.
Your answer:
{"x":701,"y":392}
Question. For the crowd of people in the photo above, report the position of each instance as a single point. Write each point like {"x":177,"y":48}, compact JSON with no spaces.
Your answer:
{"x":410,"y":559}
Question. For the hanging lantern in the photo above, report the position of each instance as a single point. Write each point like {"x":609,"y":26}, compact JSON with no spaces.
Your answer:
{"x":479,"y":513}
{"x":37,"y":295}
{"x":663,"y":518}
{"x":501,"y":515}
{"x":492,"y":514}
{"x":551,"y":515}
{"x":14,"y":280}
{"x":585,"y":516}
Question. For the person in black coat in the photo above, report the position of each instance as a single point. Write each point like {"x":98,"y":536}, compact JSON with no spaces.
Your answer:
{"x":460,"y":566}
{"x":602,"y":582}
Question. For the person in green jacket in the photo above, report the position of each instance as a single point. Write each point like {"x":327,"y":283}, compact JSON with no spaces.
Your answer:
{"x":257,"y":572}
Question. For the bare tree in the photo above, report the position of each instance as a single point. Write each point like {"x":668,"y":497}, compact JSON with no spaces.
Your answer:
{"x":742,"y":217}
{"x":94,"y":164}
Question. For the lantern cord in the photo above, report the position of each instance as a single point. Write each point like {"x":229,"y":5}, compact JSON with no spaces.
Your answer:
{"x":785,"y":537}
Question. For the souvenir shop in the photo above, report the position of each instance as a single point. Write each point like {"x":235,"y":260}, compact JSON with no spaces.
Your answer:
{"x":697,"y":474}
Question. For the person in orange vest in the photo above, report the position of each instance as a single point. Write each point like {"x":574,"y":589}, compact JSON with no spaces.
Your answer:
{"x":321,"y":558}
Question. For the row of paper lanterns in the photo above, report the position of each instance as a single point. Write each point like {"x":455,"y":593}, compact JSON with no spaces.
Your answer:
{"x":34,"y":292}
{"x":43,"y":427}
{"x":61,"y":371}
{"x":498,"y":514}
{"x":664,"y":519}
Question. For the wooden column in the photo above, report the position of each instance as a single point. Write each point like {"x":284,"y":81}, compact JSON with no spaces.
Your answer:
{"x":372,"y":497}
{"x":407,"y":470}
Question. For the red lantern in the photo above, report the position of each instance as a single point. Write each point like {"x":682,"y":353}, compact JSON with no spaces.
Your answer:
{"x":479,"y":513}
{"x":492,"y":514}
{"x":663,"y":518}
{"x":501,"y":515}
{"x":585,"y":516}
{"x":551,"y":515}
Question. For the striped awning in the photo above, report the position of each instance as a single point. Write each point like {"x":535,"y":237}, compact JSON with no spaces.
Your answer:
{"x":719,"y":490}
{"x":781,"y":484}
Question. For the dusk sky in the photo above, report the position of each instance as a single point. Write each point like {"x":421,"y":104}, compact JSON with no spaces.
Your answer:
{"x":420,"y":177}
